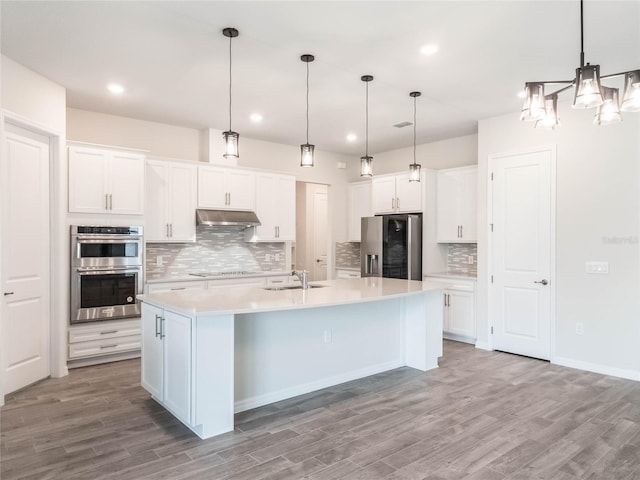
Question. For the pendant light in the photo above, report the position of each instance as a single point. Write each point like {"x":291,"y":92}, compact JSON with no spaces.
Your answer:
{"x":366,"y":162}
{"x":588,"y":93}
{"x":414,"y":168}
{"x":230,"y":137}
{"x":306,"y":149}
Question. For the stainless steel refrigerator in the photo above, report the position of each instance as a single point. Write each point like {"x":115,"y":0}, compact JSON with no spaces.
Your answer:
{"x":391,"y":246}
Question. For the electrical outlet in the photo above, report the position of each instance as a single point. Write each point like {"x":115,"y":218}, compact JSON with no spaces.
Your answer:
{"x":267,"y":257}
{"x":470,"y":259}
{"x":159,"y":261}
{"x":601,"y":268}
{"x":579,"y":328}
{"x":327,"y":336}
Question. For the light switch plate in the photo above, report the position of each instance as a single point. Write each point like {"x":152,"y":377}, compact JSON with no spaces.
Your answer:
{"x":601,"y":268}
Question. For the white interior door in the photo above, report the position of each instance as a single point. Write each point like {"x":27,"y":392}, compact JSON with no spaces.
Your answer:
{"x":25,"y":259}
{"x":522,"y":254}
{"x":320,"y":212}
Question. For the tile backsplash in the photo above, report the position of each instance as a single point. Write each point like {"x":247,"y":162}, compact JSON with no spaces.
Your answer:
{"x":217,"y":249}
{"x":348,"y":254}
{"x":458,"y":258}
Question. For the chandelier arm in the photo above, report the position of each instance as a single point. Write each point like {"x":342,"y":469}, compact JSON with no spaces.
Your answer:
{"x":556,"y":82}
{"x":611,"y":75}
{"x":561,"y":89}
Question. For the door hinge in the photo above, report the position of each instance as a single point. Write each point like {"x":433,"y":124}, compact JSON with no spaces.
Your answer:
{"x":491,"y":175}
{"x":491,"y":278}
{"x":491,"y":227}
{"x":491,"y":330}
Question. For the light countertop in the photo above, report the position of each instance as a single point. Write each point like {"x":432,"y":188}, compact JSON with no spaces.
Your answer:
{"x":190,"y":278}
{"x":254,"y":299}
{"x":452,"y":275}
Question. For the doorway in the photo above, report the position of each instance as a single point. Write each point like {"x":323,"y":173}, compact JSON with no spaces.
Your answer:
{"x":522,"y":252}
{"x":25,"y":319}
{"x":312,"y":229}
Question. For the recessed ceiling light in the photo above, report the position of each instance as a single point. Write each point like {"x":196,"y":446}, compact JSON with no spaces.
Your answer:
{"x":429,"y":49}
{"x":115,"y":88}
{"x":255,"y":117}
{"x":352,"y":137}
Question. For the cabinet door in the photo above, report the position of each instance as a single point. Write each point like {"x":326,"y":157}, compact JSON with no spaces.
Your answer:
{"x":156,"y":191}
{"x":126,"y":183}
{"x":461,"y":313}
{"x":152,"y":351}
{"x":286,"y":209}
{"x":359,"y":206}
{"x":383,"y":194}
{"x":177,"y":365}
{"x":241,"y":188}
{"x":447,"y":207}
{"x":182,"y":202}
{"x":88,"y":169}
{"x":468,"y":207}
{"x":408,"y":194}
{"x":266,"y":206}
{"x":212,"y":187}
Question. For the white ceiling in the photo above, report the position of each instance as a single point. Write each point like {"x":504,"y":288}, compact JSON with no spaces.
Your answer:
{"x":173,"y":60}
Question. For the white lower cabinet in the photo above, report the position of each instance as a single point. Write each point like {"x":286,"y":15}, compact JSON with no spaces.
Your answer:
{"x":459,"y":322}
{"x":166,"y":359}
{"x":98,"y":339}
{"x":346,"y":273}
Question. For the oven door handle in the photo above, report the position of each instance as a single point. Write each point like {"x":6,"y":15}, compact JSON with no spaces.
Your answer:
{"x":102,"y":271}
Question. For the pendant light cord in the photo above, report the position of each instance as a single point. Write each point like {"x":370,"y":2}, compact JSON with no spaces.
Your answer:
{"x":414,"y":130}
{"x":366,"y":128}
{"x":581,"y":36}
{"x":307,"y":103}
{"x":229,"y":83}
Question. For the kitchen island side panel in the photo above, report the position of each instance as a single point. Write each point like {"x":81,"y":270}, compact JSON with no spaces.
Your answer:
{"x":282,"y":354}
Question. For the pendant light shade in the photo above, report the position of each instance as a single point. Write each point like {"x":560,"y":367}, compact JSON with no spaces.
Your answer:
{"x":231,"y":138}
{"x":366,"y":161}
{"x":414,"y":168}
{"x":533,"y":108}
{"x":631,"y":96}
{"x":550,"y":120}
{"x":587,"y":92}
{"x":609,"y":111}
{"x":306,"y":149}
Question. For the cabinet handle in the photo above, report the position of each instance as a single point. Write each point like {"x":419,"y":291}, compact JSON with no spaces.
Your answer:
{"x":108,"y":346}
{"x":106,"y":201}
{"x":158,"y":317}
{"x":397,"y":202}
{"x":162,"y":327}
{"x":171,"y":230}
{"x":167,"y":230}
{"x":111,"y":201}
{"x":460,"y":231}
{"x":393,"y":203}
{"x":445,"y":299}
{"x":278,"y":230}
{"x":109,"y":332}
{"x":6,"y":294}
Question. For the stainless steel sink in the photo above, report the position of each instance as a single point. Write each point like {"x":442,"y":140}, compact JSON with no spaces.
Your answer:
{"x":291,"y":287}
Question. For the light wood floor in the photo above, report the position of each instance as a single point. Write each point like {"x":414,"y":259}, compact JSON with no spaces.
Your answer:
{"x":482,"y":415}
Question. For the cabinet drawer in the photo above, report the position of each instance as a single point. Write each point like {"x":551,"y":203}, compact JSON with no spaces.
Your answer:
{"x":176,"y":286}
{"x":280,"y":280}
{"x":104,"y":346}
{"x":347,"y":274}
{"x":104,"y":331}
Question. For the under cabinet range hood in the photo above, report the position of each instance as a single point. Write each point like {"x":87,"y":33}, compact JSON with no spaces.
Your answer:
{"x":212,"y":218}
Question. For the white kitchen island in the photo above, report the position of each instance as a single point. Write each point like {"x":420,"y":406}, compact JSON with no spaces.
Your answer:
{"x":208,"y":354}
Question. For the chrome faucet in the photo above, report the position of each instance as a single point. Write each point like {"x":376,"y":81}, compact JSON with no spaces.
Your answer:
{"x":303,"y":277}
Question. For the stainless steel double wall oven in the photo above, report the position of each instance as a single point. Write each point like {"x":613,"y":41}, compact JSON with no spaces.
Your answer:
{"x":106,"y":272}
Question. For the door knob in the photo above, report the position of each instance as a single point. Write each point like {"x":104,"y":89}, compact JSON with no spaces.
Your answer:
{"x":544,"y":281}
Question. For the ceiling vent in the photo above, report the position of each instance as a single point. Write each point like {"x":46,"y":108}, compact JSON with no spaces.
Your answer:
{"x":402,"y":124}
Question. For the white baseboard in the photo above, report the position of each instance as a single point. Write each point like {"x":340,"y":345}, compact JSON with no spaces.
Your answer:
{"x":597,"y":368}
{"x":271,"y":397}
{"x":458,"y":338}
{"x":482,"y":345}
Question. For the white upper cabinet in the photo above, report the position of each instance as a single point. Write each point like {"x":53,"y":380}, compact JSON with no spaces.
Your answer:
{"x":275,"y":208}
{"x":171,"y":199}
{"x":105,"y":181}
{"x":396,"y":194}
{"x":457,"y":205}
{"x":226,"y":188}
{"x":359,"y":206}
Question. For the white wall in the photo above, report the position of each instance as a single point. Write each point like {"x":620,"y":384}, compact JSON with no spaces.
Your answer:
{"x":597,"y":199}
{"x":450,"y":153}
{"x":39,"y":104}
